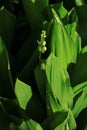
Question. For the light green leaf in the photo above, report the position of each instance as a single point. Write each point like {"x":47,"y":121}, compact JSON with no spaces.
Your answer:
{"x":62,"y":44}
{"x":6,"y":84}
{"x":60,"y":10}
{"x":23,"y":93}
{"x":79,"y":88}
{"x":58,"y":82}
{"x":71,"y":30}
{"x":30,"y":125}
{"x":71,"y":120}
{"x":7,"y":23}
{"x":54,"y":120}
{"x":81,"y":103}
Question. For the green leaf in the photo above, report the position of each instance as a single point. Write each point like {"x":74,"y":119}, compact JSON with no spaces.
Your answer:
{"x":60,"y":10}
{"x":71,"y":120}
{"x":35,"y":16}
{"x":62,"y":44}
{"x":58,"y":82}
{"x":54,"y":120}
{"x":23,"y":93}
{"x":26,"y":73}
{"x":81,"y":103}
{"x":30,"y":125}
{"x":6,"y":83}
{"x":81,"y":9}
{"x":71,"y":30}
{"x":79,"y":88}
{"x":41,"y":81}
{"x":10,"y":106}
{"x":35,"y":108}
{"x":46,"y":2}
{"x":28,"y":50}
{"x":12,"y":126}
{"x":7,"y":23}
{"x":73,"y":17}
{"x":79,"y":71}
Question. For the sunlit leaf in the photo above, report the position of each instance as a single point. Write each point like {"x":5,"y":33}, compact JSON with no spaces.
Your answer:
{"x":62,"y":44}
{"x":81,"y":103}
{"x":58,"y":82}
{"x":30,"y":125}
{"x":71,"y":30}
{"x":23,"y":93}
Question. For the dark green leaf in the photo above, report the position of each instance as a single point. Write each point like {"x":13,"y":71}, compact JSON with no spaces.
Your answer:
{"x":79,"y":71}
{"x":35,"y":108}
{"x":7,"y":22}
{"x":6,"y":83}
{"x":35,"y":16}
{"x":41,"y":81}
{"x":53,"y":121}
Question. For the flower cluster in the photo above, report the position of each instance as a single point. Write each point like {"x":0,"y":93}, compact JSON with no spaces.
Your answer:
{"x":42,"y":44}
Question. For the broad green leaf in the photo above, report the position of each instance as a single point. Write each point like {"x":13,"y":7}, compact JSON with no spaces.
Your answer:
{"x":58,"y":82}
{"x":35,"y":16}
{"x":12,"y":126}
{"x":23,"y":126}
{"x":60,"y":127}
{"x":73,"y":17}
{"x":54,"y":120}
{"x":60,"y":10}
{"x":40,"y":77}
{"x":40,"y":6}
{"x":81,"y":103}
{"x":10,"y":106}
{"x":71,"y":120}
{"x":79,"y":88}
{"x":86,"y":128}
{"x":30,"y":125}
{"x":28,"y":50}
{"x":35,"y":108}
{"x":23,"y":93}
{"x":46,"y":2}
{"x":4,"y":118}
{"x":6,"y":83}
{"x":62,"y":44}
{"x":71,"y":30}
{"x":27,"y":72}
{"x":7,"y":23}
{"x":79,"y":71}
{"x":84,"y":50}
{"x":81,"y":8}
